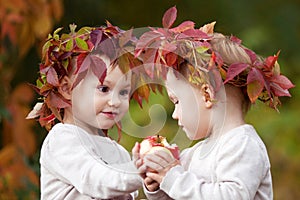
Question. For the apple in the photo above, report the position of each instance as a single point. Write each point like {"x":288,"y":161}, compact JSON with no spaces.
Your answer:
{"x":158,"y":142}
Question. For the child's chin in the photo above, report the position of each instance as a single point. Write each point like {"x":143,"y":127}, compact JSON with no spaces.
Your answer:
{"x":106,"y":125}
{"x":190,"y":135}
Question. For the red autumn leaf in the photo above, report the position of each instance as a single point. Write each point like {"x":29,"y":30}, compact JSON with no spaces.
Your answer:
{"x":183,"y":27}
{"x":271,"y":60}
{"x":124,"y":63}
{"x":80,"y":60}
{"x":255,"y":75}
{"x":57,"y":100}
{"x":125,"y":37}
{"x":133,"y":62}
{"x":109,"y":47}
{"x":98,"y":67}
{"x":45,"y":120}
{"x":45,"y":89}
{"x":217,"y":79}
{"x":145,"y":41}
{"x":255,"y":84}
{"x":196,"y":33}
{"x":282,"y":81}
{"x":56,"y":112}
{"x":235,"y":39}
{"x":96,"y":37}
{"x":113,"y":30}
{"x":79,"y":77}
{"x":234,"y":70}
{"x":52,"y":77}
{"x":149,"y":62}
{"x":279,"y":91}
{"x":149,"y":56}
{"x":168,"y":47}
{"x":138,"y":99}
{"x":171,"y":59}
{"x":251,"y":55}
{"x":85,"y":64}
{"x":65,"y":55}
{"x":144,"y":92}
{"x":169,"y":17}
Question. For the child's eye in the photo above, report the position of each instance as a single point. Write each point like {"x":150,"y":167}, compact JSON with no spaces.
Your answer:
{"x":124,"y":92}
{"x":103,"y":88}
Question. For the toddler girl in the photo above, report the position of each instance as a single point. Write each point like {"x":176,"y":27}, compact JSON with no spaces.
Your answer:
{"x":212,"y":80}
{"x":86,"y":90}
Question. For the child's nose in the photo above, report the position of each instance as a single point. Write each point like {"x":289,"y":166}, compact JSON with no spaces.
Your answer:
{"x":175,"y":112}
{"x":114,"y":100}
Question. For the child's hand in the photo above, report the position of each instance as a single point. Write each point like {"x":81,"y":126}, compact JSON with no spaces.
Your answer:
{"x":160,"y":162}
{"x":138,"y":162}
{"x":151,"y":184}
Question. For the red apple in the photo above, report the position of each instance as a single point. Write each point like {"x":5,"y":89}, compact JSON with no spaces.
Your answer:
{"x":158,"y":142}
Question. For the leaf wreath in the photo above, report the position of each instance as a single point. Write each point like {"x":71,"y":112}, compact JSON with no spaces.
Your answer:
{"x":167,"y":47}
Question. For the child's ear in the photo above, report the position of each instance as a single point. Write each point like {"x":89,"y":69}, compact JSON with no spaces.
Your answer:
{"x":207,"y":95}
{"x":65,"y":87}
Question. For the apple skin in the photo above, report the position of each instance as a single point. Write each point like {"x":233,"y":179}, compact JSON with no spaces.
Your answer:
{"x":155,"y":143}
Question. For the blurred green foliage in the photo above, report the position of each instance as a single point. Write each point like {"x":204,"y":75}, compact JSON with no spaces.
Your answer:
{"x":265,"y":26}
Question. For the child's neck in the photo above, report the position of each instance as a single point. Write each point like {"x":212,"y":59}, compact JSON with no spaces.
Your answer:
{"x":231,"y":117}
{"x":70,"y":119}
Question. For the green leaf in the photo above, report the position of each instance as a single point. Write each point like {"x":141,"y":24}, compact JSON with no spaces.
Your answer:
{"x":46,"y":47}
{"x":39,"y":84}
{"x":70,"y":45}
{"x":84,"y":30}
{"x":201,"y":49}
{"x":55,"y":34}
{"x":65,"y":63}
{"x":81,"y":44}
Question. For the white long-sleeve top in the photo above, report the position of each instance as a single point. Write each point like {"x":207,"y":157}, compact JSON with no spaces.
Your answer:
{"x":231,"y":166}
{"x":78,"y":165}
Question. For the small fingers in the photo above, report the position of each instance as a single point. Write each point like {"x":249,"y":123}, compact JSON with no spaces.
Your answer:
{"x":166,"y":155}
{"x":138,"y":163}
{"x":135,"y":151}
{"x":159,"y":162}
{"x":151,"y":184}
{"x":155,"y":164}
{"x":154,"y":176}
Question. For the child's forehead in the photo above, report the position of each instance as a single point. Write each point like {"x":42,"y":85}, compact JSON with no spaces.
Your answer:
{"x":114,"y":73}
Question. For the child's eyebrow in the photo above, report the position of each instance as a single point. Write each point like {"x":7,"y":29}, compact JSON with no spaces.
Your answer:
{"x":107,"y":82}
{"x":111,"y":83}
{"x":127,"y":85}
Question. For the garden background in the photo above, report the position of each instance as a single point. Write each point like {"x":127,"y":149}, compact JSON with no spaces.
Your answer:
{"x":265,"y":26}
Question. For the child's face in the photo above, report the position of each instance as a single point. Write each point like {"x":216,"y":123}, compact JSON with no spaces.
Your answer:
{"x":97,"y":105}
{"x":190,"y":110}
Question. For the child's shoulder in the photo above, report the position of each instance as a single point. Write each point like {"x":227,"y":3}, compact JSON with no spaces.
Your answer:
{"x":64,"y":129}
{"x":243,"y":137}
{"x":63,"y":132}
{"x":245,"y":131}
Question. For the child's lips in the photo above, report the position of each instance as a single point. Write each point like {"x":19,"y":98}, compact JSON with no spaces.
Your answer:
{"x":110,"y":115}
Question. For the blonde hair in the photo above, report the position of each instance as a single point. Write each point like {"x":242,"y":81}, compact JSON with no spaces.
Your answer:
{"x":232,"y":52}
